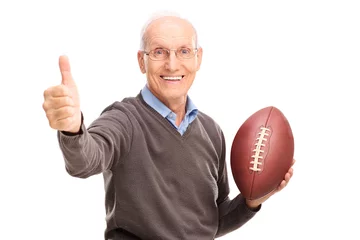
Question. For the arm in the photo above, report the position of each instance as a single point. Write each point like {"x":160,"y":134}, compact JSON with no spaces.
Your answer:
{"x":232,"y":213}
{"x":235,"y":213}
{"x":94,"y":150}
{"x":86,"y":151}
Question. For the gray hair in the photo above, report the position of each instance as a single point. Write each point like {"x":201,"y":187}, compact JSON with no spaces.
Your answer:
{"x":158,"y":15}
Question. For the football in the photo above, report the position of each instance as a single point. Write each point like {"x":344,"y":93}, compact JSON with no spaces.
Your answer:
{"x":262,"y":152}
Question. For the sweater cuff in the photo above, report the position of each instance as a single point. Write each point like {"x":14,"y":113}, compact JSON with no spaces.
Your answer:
{"x":80,"y":130}
{"x":253,"y":209}
{"x":247,"y":208}
{"x":72,"y":138}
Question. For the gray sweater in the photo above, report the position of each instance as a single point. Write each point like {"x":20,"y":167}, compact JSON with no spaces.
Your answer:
{"x":159,"y":184}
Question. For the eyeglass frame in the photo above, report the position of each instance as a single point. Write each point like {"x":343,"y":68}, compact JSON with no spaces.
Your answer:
{"x":168,"y":53}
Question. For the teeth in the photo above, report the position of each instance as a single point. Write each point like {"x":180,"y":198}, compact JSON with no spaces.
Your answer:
{"x":173,"y":78}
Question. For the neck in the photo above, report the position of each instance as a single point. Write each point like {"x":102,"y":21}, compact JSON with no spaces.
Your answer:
{"x":178,"y":106}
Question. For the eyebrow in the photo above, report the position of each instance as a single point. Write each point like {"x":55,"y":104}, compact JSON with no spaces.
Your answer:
{"x":158,"y":45}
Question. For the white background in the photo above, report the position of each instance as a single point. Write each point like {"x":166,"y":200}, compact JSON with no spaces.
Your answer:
{"x":301,"y":56}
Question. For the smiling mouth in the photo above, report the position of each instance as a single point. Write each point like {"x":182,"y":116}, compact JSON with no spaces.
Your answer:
{"x":172,"y":78}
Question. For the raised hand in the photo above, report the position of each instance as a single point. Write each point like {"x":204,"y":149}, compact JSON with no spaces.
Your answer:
{"x":62,"y":102}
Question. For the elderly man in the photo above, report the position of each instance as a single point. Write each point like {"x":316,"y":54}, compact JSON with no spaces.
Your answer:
{"x":162,"y":159}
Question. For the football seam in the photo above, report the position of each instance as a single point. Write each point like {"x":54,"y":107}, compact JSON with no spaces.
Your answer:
{"x":254,"y":172}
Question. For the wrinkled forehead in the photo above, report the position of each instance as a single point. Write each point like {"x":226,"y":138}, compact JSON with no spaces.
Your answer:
{"x":173,"y":42}
{"x":170,"y":33}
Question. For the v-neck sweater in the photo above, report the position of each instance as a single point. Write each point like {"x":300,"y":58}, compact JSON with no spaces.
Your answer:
{"x":159,"y":184}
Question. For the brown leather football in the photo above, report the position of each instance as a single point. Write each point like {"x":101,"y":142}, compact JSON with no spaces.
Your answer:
{"x":262,"y":152}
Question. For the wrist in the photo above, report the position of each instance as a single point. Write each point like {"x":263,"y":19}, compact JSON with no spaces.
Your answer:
{"x":76,"y":130}
{"x":77,"y":126}
{"x":253,"y":206}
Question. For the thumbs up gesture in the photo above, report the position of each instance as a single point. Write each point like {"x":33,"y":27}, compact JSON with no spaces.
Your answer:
{"x":61,"y":102}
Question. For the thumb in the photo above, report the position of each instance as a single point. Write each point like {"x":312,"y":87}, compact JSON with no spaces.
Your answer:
{"x":66,"y":77}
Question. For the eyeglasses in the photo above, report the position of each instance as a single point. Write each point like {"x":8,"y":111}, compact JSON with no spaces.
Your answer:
{"x":159,"y":54}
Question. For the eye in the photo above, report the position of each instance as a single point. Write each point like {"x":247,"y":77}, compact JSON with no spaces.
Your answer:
{"x":184,"y":51}
{"x":159,"y":51}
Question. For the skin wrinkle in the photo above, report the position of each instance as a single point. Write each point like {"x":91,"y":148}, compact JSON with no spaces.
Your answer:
{"x":170,"y":33}
{"x":130,"y":142}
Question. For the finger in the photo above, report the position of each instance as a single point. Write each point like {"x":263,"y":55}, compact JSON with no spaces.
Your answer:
{"x":57,"y":91}
{"x":291,"y":172}
{"x":66,"y":77}
{"x":62,"y":124}
{"x":282,"y":185}
{"x":55,"y":103}
{"x":287,"y":177}
{"x":60,"y":114}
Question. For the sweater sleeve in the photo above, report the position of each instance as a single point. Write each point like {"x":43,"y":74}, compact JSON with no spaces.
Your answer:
{"x":95,"y":149}
{"x":232,"y":213}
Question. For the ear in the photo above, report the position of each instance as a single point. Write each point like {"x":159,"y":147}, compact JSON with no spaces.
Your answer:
{"x":141,"y":61}
{"x":199,"y":58}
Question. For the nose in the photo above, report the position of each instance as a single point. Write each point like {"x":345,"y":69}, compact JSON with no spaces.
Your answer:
{"x":172,"y":63}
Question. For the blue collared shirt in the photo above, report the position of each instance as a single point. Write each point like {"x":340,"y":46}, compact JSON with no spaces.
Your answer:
{"x":163,"y":110}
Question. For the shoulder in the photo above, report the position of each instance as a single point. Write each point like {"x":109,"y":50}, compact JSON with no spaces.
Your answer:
{"x":127,"y":104}
{"x":118,"y":112}
{"x":213,"y":130}
{"x":129,"y":109}
{"x":210,"y":125}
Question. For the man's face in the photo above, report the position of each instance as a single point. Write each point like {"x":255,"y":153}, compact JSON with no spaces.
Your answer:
{"x":171,"y":78}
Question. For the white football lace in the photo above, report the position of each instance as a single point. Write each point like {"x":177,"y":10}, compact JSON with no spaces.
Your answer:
{"x":260,"y":142}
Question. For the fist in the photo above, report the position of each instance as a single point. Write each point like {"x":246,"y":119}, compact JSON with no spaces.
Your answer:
{"x":61,"y":102}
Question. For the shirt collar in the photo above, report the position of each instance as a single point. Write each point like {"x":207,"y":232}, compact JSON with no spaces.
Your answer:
{"x":161,"y":108}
